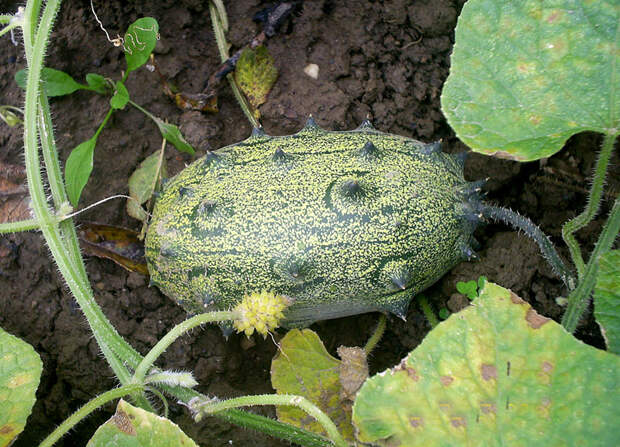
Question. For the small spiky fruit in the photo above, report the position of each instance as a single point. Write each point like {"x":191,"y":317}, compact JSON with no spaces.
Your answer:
{"x":341,"y":222}
{"x":261,"y":312}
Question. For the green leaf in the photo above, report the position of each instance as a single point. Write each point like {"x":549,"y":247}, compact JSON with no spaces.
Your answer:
{"x":140,"y":41}
{"x":9,"y":117}
{"x":173,"y":135}
{"x":142,"y":183}
{"x":527,"y":74}
{"x":304,"y":367}
{"x":495,"y":374}
{"x":78,"y":168}
{"x":20,"y":373}
{"x":255,"y":74}
{"x":97,"y":83}
{"x":444,"y":313}
{"x":607,"y":299}
{"x":54,"y":82}
{"x":469,"y":288}
{"x":134,"y":427}
{"x":121,"y":96}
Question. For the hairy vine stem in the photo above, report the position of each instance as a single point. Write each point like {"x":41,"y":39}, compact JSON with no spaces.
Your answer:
{"x":580,"y":297}
{"x":88,"y":408}
{"x":594,"y":203}
{"x":220,"y":23}
{"x":201,"y":407}
{"x":428,"y":311}
{"x":176,"y":332}
{"x":22,"y":225}
{"x":377,"y":335}
{"x":530,"y":229}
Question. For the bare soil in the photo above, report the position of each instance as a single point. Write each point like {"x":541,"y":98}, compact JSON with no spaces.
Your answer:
{"x":384,"y":59}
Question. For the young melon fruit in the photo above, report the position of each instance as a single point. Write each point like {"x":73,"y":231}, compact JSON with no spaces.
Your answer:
{"x":340,"y":222}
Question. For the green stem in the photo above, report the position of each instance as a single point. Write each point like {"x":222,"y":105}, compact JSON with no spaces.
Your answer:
{"x":427,"y":311}
{"x":162,"y":398}
{"x":104,"y":122}
{"x":579,"y":298}
{"x":6,"y":18}
{"x":143,"y":110}
{"x":88,"y":408}
{"x":56,"y":183}
{"x":22,"y":225}
{"x":252,"y":421}
{"x":29,"y":28}
{"x":9,"y":107}
{"x":533,"y":232}
{"x":218,"y":18}
{"x":8,"y":28}
{"x":221,"y":10}
{"x":124,"y":377}
{"x":176,"y":332}
{"x":69,"y":236}
{"x":274,"y":428}
{"x":210,"y":406}
{"x":594,"y":202}
{"x":376,"y":335}
{"x":78,"y":283}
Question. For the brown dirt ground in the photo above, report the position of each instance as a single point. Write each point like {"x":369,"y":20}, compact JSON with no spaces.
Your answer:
{"x":371,"y":64}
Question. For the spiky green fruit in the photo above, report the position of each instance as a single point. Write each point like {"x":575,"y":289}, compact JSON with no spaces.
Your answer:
{"x":340,"y":222}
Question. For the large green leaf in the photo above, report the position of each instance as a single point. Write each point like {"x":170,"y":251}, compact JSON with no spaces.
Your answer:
{"x":494,"y":374}
{"x":304,"y":367}
{"x":134,"y":427}
{"x":607,"y":299}
{"x":20,"y":372}
{"x":140,"y":40}
{"x":528,"y":74}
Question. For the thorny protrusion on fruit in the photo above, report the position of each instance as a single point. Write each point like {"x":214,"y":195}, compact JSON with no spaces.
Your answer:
{"x":369,"y":150}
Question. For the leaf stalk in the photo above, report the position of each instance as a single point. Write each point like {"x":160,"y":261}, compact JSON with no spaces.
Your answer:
{"x":87,"y":409}
{"x":594,"y":203}
{"x":208,"y":406}
{"x":580,"y":297}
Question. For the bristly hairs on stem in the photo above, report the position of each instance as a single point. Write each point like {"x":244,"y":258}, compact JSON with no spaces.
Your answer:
{"x":595,"y":196}
{"x":520,"y":222}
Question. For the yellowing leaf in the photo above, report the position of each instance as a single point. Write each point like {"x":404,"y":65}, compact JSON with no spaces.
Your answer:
{"x":304,"y":367}
{"x":143,"y":182}
{"x":20,"y":372}
{"x":607,"y":299}
{"x":119,"y":244}
{"x":255,"y":74}
{"x":494,"y":374}
{"x":134,"y":427}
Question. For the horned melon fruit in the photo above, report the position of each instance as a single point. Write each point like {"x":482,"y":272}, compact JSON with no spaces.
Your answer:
{"x":342,"y":223}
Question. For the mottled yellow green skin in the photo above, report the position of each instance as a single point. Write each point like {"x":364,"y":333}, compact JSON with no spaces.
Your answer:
{"x":340,"y":228}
